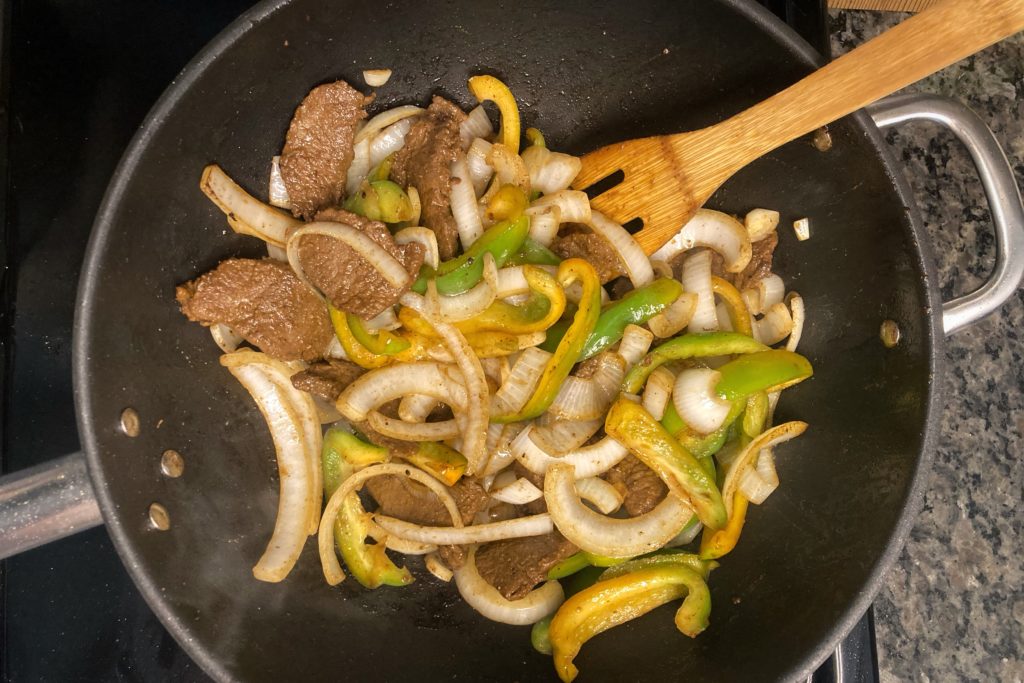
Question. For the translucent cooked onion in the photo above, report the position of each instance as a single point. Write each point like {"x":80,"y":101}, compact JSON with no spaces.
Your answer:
{"x":638,"y":266}
{"x":657,"y":392}
{"x":520,"y":527}
{"x":390,"y":268}
{"x":384,"y":119}
{"x":544,"y":222}
{"x":424,"y":236}
{"x":376,"y":77}
{"x":573,"y":205}
{"x":412,"y":431}
{"x":399,"y":545}
{"x":715,"y":230}
{"x":485,"y":598}
{"x":746,"y":460}
{"x":796,"y":305}
{"x":275,"y":252}
{"x":468,"y":304}
{"x":774,"y":326}
{"x":760,"y":223}
{"x":437,"y":567}
{"x":557,"y":437}
{"x":589,"y":461}
{"x":519,"y":492}
{"x":501,"y":455}
{"x":760,"y":481}
{"x":476,"y":126}
{"x":226,"y":339}
{"x":251,"y":216}
{"x":360,"y":166}
{"x":608,"y":536}
{"x":697,"y":402}
{"x":696,"y":279}
{"x":675,"y":317}
{"x":416,"y":407}
{"x":522,"y":380}
{"x":765,"y":293}
{"x":476,"y":160}
{"x":550,"y":171}
{"x":574,"y":292}
{"x":589,"y":399}
{"x":509,"y":167}
{"x":276,"y":191}
{"x":414,"y":202}
{"x":325,"y":537}
{"x":605,"y":497}
{"x":463,"y":203}
{"x":635,"y":342}
{"x":388,"y":141}
{"x":377,"y":387}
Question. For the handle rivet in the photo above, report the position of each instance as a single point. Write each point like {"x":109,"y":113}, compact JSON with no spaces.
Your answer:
{"x":158,"y":517}
{"x":889,"y":333}
{"x":130,"y":424}
{"x":822,"y":139}
{"x":172,"y":464}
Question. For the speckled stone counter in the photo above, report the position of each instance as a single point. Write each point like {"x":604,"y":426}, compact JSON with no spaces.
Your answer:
{"x":952,"y":609}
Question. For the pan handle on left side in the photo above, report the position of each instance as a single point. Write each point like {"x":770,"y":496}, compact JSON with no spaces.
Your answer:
{"x":46,"y":503}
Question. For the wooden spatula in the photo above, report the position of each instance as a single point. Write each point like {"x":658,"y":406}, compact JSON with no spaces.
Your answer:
{"x":667,"y":178}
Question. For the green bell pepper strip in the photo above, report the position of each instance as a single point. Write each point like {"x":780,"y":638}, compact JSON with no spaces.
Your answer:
{"x":658,"y":558}
{"x":609,"y":603}
{"x":456,"y":275}
{"x":535,"y":254}
{"x":701,"y":446}
{"x":341,"y":455}
{"x":554,"y":335}
{"x":540,"y":637}
{"x":380,"y":200}
{"x":755,"y":414}
{"x":578,"y":561}
{"x":635,"y":308}
{"x":559,"y":365}
{"x":382,"y":343}
{"x":635,"y":428}
{"x":440,"y":461}
{"x":696,"y":345}
{"x":769,"y":370}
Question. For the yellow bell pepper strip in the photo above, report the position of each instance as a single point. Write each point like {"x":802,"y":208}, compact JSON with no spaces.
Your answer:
{"x":508,"y":202}
{"x":383,"y":169}
{"x":739,"y":316}
{"x":609,"y":603}
{"x":533,"y":253}
{"x":382,"y":342}
{"x":769,"y":370}
{"x":715,"y":544}
{"x":380,"y":200}
{"x":484,"y":345}
{"x":635,"y":308}
{"x":441,"y":462}
{"x":632,"y":426}
{"x":755,"y":414}
{"x":696,"y":345}
{"x":456,"y":275}
{"x":565,"y":356}
{"x":536,"y":138}
{"x":356,"y":352}
{"x":658,"y":558}
{"x":341,"y":455}
{"x":486,"y":88}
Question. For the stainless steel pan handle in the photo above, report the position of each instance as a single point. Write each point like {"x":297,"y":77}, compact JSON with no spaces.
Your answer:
{"x":1000,"y":187}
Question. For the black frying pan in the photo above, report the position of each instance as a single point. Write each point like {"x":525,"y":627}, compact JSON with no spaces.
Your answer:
{"x":586,"y":74}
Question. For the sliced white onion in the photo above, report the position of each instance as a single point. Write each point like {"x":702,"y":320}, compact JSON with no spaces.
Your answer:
{"x":573,"y":205}
{"x":675,"y":317}
{"x":509,"y":167}
{"x":417,"y":206}
{"x":417,"y":407}
{"x":589,"y":461}
{"x":437,"y":567}
{"x":574,"y":293}
{"x":802,"y":229}
{"x":635,"y":342}
{"x":662,"y":269}
{"x":476,"y":126}
{"x":638,"y":266}
{"x":722,"y":314}
{"x":796,"y":305}
{"x":520,"y":527}
{"x":696,"y":279}
{"x":519,"y":492}
{"x":550,"y":171}
{"x":512,"y":282}
{"x":589,"y":399}
{"x":326,"y":411}
{"x":686,"y":535}
{"x":657,"y":392}
{"x":697,"y":402}
{"x":251,"y":216}
{"x":390,"y":268}
{"x":424,"y":236}
{"x":463,"y":203}
{"x":325,"y":537}
{"x":376,"y":77}
{"x":605,"y":497}
{"x":388,"y":141}
{"x":225,"y":338}
{"x":760,"y":223}
{"x":501,"y":456}
{"x":558,"y":437}
{"x":765,"y":293}
{"x":413,"y":431}
{"x":774,"y":326}
{"x":492,"y":369}
{"x":715,"y":230}
{"x":470,"y":303}
{"x":399,"y":545}
{"x":522,"y":380}
{"x":746,"y":460}
{"x":385,"y":320}
{"x":476,"y":160}
{"x":596,"y":533}
{"x":544,"y":222}
{"x":760,"y":481}
{"x":384,"y":119}
{"x":360,"y":166}
{"x":275,"y":252}
{"x":276,"y":191}
{"x":379,"y":386}
{"x":334,"y":349}
{"x":485,"y":598}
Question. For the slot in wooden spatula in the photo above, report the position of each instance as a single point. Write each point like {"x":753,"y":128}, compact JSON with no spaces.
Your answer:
{"x":667,"y":178}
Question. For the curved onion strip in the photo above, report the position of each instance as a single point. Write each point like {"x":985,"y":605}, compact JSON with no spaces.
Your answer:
{"x":746,"y":459}
{"x":657,"y":392}
{"x":509,"y":167}
{"x":412,"y":431}
{"x":478,"y":395}
{"x":603,"y":495}
{"x":761,"y":480}
{"x":494,"y":431}
{"x":424,"y":236}
{"x":389,"y":141}
{"x":696,"y":401}
{"x":476,"y":126}
{"x":760,"y":223}
{"x":638,"y":266}
{"x":326,"y":412}
{"x":379,"y":386}
{"x":573,"y":205}
{"x":417,"y":206}
{"x":512,"y":281}
{"x":501,"y":454}
{"x":796,"y":304}
{"x":472,"y":302}
{"x":520,"y":527}
{"x":252,"y":217}
{"x":493,"y":370}
{"x":519,"y":492}
{"x":589,"y":399}
{"x":774,"y":326}
{"x":574,"y":292}
{"x":399,"y":545}
{"x":589,"y":461}
{"x":722,"y":315}
{"x":596,"y":533}
{"x":635,"y":342}
{"x":686,"y":535}
{"x":360,"y":166}
{"x":485,"y":598}
{"x":544,"y":222}
{"x":334,"y":349}
{"x":674,"y":318}
{"x":696,"y":278}
{"x":463,"y":203}
{"x":662,"y":269}
{"x":277,"y":193}
{"x":771,"y":289}
{"x":558,"y":437}
{"x":715,"y":230}
{"x":325,"y":536}
{"x":390,"y":268}
{"x":550,"y":171}
{"x":297,"y":498}
{"x":385,"y":320}
{"x":476,"y":161}
{"x":376,"y":77}
{"x":517,"y":389}
{"x":384,"y":119}
{"x":437,"y":567}
{"x":225,"y":338}
{"x":275,"y":252}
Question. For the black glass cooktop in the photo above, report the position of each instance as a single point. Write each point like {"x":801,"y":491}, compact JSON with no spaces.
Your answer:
{"x":76,"y":79}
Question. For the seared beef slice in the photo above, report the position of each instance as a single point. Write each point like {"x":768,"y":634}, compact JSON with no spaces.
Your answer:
{"x":318,"y":147}
{"x":515,"y":566}
{"x":327,"y":380}
{"x":591,"y":248}
{"x":642,"y":489}
{"x":263,"y":301}
{"x":425,"y":163}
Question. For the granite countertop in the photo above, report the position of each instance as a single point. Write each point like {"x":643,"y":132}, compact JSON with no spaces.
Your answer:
{"x":953,"y":606}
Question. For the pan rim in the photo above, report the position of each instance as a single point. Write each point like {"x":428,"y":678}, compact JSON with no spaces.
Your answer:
{"x":163,"y":108}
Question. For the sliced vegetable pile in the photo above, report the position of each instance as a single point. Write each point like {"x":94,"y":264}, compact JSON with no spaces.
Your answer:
{"x":501,"y":367}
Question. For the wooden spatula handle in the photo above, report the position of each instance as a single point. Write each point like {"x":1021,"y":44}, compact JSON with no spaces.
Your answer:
{"x":918,"y":47}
